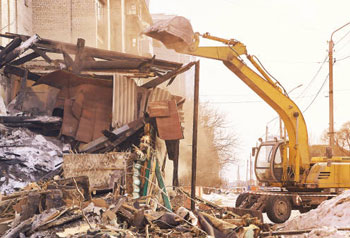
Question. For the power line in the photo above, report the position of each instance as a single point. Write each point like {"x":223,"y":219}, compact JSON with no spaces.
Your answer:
{"x":343,"y":58}
{"x":343,"y":46}
{"x":313,"y":78}
{"x":342,"y":37}
{"x":248,"y":95}
{"x":313,"y":100}
{"x":229,"y":102}
{"x":7,"y":25}
{"x":246,"y":101}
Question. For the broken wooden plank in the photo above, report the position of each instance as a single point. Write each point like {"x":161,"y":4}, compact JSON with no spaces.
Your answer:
{"x":41,"y":53}
{"x":69,"y":48}
{"x":21,"y":228}
{"x":68,"y":61}
{"x":20,"y":49}
{"x":103,"y":141}
{"x":25,"y":58}
{"x":78,"y":56}
{"x":9,"y":47}
{"x":109,"y":65}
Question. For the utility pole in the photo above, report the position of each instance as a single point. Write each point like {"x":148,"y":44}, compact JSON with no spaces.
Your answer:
{"x":194,"y":136}
{"x":331,"y":110}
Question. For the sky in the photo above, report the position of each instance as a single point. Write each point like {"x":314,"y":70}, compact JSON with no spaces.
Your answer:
{"x":290,"y":37}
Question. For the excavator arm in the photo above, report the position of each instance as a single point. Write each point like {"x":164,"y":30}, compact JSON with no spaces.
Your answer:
{"x":261,"y":84}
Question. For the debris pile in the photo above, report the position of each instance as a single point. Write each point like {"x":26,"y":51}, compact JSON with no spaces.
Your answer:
{"x":330,"y":219}
{"x":26,"y":156}
{"x":66,"y":208}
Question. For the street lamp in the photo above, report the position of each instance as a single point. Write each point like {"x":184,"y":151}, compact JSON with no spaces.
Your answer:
{"x":331,"y":110}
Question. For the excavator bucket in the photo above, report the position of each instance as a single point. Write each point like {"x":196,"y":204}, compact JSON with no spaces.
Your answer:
{"x":175,"y":33}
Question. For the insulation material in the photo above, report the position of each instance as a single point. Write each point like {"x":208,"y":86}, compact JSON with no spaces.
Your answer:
{"x":102,"y":169}
{"x":324,"y":219}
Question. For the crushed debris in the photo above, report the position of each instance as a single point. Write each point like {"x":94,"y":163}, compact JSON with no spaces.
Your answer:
{"x":25,"y":157}
{"x":64,"y":208}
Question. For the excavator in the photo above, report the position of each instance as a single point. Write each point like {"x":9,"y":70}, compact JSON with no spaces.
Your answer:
{"x":302,"y":182}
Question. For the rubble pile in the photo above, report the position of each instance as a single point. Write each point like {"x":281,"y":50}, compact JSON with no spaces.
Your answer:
{"x":330,"y":219}
{"x":25,"y":157}
{"x":66,"y":208}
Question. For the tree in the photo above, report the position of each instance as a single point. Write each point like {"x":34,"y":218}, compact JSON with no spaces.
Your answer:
{"x":341,"y":139}
{"x":216,"y":123}
{"x":216,"y":146}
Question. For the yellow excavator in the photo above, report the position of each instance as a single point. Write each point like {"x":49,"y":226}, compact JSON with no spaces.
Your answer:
{"x":303,"y":182}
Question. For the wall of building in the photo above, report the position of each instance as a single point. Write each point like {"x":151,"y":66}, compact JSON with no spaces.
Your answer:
{"x":66,"y":20}
{"x":108,"y":24}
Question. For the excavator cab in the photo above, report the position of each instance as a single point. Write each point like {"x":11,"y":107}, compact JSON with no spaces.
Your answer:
{"x":268,"y":162}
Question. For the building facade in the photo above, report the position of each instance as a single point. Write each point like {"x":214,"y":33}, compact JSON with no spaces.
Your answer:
{"x":107,"y":24}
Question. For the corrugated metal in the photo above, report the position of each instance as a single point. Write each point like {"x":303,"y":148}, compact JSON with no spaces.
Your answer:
{"x":159,"y":94}
{"x":129,"y":100}
{"x":124,"y":100}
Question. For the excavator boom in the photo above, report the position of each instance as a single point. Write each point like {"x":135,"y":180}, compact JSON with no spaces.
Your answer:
{"x":176,"y":33}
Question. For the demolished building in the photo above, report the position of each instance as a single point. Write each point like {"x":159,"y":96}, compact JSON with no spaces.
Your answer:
{"x":116,"y":130}
{"x":98,"y":111}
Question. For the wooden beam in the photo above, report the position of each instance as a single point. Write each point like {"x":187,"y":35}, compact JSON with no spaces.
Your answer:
{"x":78,"y":56}
{"x":9,"y":69}
{"x":25,"y":59}
{"x":19,"y":50}
{"x":70,"y":48}
{"x":68,"y":61}
{"x":155,"y":82}
{"x":114,"y":64}
{"x":10,"y":47}
{"x":42,"y":54}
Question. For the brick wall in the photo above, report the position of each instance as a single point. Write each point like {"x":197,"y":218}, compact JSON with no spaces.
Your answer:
{"x":84,"y":21}
{"x":65,"y":20}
